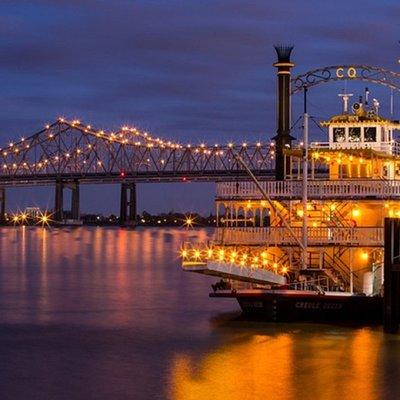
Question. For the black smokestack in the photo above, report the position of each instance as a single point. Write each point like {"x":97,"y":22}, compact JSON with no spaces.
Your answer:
{"x":283,"y":138}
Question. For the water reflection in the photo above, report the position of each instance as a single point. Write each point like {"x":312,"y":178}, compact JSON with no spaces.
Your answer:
{"x":290,"y":362}
{"x":106,"y":313}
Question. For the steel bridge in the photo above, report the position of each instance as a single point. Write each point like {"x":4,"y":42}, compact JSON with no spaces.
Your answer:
{"x":67,"y":153}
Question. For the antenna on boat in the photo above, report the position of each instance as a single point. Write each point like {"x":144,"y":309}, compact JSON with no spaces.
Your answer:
{"x":345,"y":97}
{"x":391,"y":103}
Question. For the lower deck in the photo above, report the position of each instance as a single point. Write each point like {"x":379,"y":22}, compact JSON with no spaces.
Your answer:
{"x":296,"y":305}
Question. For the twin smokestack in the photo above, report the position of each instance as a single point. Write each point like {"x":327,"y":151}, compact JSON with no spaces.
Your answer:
{"x":283,"y":139}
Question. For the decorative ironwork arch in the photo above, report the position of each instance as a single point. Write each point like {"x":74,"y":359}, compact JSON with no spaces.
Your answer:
{"x":364,"y":73}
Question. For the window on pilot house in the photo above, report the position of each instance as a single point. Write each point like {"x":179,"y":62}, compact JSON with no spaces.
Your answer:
{"x":354,"y":134}
{"x":339,"y":135}
{"x":370,"y":134}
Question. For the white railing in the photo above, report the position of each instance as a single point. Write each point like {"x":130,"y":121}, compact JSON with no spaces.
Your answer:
{"x":278,"y":236}
{"x":316,"y":189}
{"x":392,"y":147}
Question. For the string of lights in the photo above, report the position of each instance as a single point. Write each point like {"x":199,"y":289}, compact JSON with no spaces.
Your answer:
{"x":69,"y":146}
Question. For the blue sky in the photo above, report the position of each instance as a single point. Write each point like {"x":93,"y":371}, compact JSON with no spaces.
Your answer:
{"x":188,"y":70}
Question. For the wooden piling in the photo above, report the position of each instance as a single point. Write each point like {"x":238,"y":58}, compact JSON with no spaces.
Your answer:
{"x":391,"y":301}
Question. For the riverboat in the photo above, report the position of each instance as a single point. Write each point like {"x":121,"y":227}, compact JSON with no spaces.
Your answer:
{"x":308,"y":245}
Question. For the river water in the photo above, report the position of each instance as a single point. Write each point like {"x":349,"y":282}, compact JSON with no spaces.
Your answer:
{"x":106,"y":313}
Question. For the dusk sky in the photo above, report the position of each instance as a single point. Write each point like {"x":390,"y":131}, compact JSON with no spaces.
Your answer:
{"x":187,"y":70}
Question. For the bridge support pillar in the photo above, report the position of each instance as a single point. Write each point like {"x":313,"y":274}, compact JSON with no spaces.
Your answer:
{"x":59,"y":202}
{"x":2,"y":204}
{"x":75,"y":201}
{"x":391,"y":299}
{"x":128,"y":205}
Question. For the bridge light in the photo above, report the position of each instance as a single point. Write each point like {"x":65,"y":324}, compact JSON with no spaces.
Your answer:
{"x":230,"y":145}
{"x":244,"y":144}
{"x":122,"y":174}
{"x":11,"y":144}
{"x":258,"y":144}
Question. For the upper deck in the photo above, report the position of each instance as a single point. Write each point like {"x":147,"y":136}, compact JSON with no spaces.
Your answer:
{"x":360,"y":160}
{"x":316,"y":189}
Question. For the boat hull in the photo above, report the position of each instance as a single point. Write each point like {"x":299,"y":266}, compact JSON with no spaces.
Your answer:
{"x":300,"y":306}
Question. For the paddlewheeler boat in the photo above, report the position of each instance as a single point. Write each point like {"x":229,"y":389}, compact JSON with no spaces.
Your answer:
{"x":308,"y":245}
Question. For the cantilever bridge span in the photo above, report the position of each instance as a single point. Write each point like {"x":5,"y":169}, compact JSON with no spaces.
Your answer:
{"x":67,"y":153}
{"x":70,"y":150}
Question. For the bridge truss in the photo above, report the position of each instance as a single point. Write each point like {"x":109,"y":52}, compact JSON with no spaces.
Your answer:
{"x":70,"y":150}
